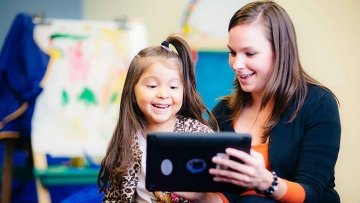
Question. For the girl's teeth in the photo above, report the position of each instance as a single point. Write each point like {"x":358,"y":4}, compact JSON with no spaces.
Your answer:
{"x":161,"y":106}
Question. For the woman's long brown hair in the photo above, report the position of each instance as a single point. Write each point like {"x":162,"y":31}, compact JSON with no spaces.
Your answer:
{"x":119,"y":155}
{"x":288,"y":82}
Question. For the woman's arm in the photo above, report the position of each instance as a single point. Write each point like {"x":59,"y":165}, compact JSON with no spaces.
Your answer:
{"x":320,"y":145}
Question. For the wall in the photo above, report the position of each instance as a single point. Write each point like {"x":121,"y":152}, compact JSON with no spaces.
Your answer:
{"x":71,"y":9}
{"x":161,"y":17}
{"x":329,"y":43}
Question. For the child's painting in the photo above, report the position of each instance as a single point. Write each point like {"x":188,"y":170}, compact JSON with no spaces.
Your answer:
{"x":77,"y":111}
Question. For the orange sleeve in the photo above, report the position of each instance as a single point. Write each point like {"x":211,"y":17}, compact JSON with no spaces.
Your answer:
{"x":295,"y":193}
{"x":222,"y":197}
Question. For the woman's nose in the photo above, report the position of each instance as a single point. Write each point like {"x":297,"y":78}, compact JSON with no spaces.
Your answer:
{"x":238,"y":63}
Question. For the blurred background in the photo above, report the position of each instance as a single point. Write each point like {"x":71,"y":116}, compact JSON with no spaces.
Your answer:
{"x":328,"y":38}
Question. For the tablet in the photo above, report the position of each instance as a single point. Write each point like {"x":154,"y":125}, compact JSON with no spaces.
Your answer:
{"x":181,"y":161}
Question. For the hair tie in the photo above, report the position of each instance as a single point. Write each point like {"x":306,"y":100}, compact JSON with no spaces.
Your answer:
{"x":165,"y":45}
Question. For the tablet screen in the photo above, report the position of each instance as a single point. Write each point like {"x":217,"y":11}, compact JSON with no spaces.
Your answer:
{"x":181,"y":161}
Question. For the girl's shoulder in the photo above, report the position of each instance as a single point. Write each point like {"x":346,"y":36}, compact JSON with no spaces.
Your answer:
{"x":187,"y":124}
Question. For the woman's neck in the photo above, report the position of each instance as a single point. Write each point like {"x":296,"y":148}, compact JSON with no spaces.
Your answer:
{"x":256,"y":99}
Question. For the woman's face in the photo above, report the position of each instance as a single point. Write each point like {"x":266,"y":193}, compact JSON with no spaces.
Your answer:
{"x":251,"y":57}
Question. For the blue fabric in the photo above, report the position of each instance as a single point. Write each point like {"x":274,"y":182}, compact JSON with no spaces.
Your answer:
{"x":88,"y":195}
{"x":22,"y":67}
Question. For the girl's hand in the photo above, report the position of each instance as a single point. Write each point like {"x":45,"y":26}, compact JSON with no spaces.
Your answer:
{"x":196,"y":197}
{"x":250,"y":174}
{"x":192,"y":196}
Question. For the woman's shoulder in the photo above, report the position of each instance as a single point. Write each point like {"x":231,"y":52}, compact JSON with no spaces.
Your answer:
{"x":319,"y":101}
{"x":221,"y":106}
{"x":317,"y":93}
{"x":187,"y":124}
{"x":222,"y":112}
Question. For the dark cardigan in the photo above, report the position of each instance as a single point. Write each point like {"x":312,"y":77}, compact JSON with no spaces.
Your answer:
{"x":303,"y":151}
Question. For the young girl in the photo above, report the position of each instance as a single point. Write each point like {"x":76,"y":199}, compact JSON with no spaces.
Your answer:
{"x":159,"y":94}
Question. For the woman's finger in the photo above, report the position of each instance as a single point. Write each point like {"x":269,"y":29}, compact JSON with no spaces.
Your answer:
{"x":235,"y":165}
{"x":228,"y":174}
{"x":246,"y":158}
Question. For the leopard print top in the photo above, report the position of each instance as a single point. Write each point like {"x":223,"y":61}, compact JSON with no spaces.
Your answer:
{"x":123,"y":190}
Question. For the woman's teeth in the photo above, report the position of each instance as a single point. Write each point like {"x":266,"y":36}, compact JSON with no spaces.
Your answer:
{"x":244,"y":76}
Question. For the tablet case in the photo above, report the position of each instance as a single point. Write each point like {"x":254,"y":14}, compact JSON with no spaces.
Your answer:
{"x":181,"y":161}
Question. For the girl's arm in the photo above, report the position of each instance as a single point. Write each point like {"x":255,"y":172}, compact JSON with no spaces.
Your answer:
{"x":200,"y":197}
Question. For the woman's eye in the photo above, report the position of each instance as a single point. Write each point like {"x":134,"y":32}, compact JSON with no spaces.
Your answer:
{"x":174,"y":87}
{"x":151,"y":86}
{"x":232,"y":53}
{"x":250,"y":54}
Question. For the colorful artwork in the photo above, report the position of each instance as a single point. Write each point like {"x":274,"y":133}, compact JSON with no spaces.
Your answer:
{"x":205,"y":22}
{"x":77,"y":111}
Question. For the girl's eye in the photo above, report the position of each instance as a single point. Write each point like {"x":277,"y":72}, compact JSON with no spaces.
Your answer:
{"x":174,"y":87}
{"x":151,"y":86}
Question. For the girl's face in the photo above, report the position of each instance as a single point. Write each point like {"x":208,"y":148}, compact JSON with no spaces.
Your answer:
{"x":159,"y":95}
{"x":251,"y":57}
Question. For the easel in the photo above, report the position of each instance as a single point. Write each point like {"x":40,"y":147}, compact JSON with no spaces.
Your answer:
{"x":46,"y":176}
{"x":40,"y":162}
{"x":92,"y":93}
{"x":8,"y":139}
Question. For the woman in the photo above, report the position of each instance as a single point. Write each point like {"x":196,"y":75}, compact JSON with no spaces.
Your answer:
{"x":293,"y":119}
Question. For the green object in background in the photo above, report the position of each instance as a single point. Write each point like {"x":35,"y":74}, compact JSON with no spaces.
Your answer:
{"x":64,"y":98}
{"x":88,"y":97}
{"x":65,"y":175}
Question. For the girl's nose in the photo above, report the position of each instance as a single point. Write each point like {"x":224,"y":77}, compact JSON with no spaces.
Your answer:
{"x":163,"y":93}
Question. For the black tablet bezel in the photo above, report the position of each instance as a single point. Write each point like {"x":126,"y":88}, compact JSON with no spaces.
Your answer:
{"x":179,"y":148}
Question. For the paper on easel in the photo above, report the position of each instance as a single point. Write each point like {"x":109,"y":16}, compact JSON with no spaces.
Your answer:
{"x":78,"y":108}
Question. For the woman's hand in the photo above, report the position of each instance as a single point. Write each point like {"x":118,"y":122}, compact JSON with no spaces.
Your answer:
{"x":252,"y":173}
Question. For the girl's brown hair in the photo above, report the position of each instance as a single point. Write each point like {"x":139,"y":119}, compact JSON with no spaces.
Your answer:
{"x":288,"y":81}
{"x":119,"y":155}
